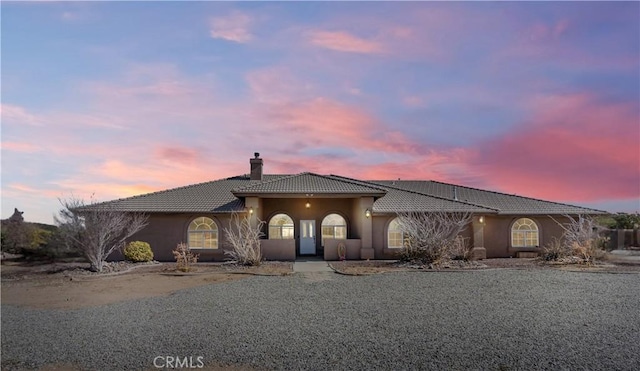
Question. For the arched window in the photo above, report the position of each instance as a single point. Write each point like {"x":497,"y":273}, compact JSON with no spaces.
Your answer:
{"x":524,"y":233}
{"x":334,"y":226}
{"x":203,"y":234}
{"x":281,"y":227}
{"x":395,"y":237}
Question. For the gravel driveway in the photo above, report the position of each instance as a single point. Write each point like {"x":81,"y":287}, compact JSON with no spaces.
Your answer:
{"x":493,"y":319}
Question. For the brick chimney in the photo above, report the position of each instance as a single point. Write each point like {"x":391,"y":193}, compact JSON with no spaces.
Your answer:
{"x":256,"y":167}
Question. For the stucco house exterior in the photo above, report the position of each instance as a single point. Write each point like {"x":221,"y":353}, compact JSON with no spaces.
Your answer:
{"x":308,"y":214}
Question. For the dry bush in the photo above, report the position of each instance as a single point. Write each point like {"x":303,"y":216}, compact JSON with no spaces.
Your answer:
{"x":460,"y":249}
{"x":581,"y":238}
{"x":430,"y":237}
{"x":96,"y":229}
{"x":184,"y":257}
{"x":555,"y":250}
{"x":245,"y":240}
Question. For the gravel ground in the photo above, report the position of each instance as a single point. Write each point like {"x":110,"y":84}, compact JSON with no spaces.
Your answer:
{"x":500,"y":319}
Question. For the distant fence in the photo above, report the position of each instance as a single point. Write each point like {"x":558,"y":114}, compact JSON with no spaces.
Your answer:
{"x":622,"y":238}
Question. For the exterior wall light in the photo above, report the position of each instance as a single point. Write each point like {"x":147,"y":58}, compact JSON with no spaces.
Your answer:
{"x":367,"y":213}
{"x":481,"y":219}
{"x":251,"y":210}
{"x":307,"y":205}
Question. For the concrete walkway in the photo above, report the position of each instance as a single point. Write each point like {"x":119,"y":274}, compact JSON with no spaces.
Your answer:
{"x":311,"y":265}
{"x":625,"y":256}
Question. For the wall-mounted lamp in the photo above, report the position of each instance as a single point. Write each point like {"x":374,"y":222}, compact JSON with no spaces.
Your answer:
{"x":307,"y":205}
{"x":251,"y":210}
{"x":367,"y":213}
{"x":481,"y":219}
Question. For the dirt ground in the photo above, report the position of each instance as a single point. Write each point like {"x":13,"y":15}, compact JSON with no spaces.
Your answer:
{"x":70,"y":285}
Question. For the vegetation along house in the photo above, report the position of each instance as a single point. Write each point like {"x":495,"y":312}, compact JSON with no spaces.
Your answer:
{"x":309,"y":214}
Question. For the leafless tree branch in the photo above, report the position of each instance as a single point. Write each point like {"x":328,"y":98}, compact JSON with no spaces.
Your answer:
{"x":431,"y":237}
{"x":245,"y":240}
{"x":96,"y":229}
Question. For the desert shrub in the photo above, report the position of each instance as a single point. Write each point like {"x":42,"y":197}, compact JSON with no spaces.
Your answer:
{"x":624,"y":221}
{"x":184,"y":257}
{"x":138,"y":251}
{"x":245,"y":240}
{"x":555,"y":250}
{"x":581,"y":238}
{"x":430,"y":237}
{"x":588,"y":252}
{"x":460,"y":249}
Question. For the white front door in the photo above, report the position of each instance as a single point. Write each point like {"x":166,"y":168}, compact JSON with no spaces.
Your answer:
{"x":307,"y":237}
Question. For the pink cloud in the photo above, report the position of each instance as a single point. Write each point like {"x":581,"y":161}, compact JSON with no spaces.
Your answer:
{"x":541,"y":32}
{"x":12,"y":113}
{"x":233,"y":27}
{"x":574,"y":148}
{"x":344,"y":42}
{"x":20,"y":147}
{"x":177,"y":154}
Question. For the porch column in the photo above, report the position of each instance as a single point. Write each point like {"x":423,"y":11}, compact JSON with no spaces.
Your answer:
{"x":478,"y":251}
{"x":366,"y":236}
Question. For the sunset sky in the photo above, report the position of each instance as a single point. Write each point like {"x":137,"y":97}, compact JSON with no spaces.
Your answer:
{"x":540,"y":99}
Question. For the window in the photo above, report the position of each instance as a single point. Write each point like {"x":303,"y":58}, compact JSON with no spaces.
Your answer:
{"x":281,"y":227}
{"x":524,"y":233}
{"x":395,"y":237}
{"x":203,"y":234}
{"x":334,"y":226}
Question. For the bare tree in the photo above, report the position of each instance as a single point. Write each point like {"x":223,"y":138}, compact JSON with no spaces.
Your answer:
{"x":430,"y":237}
{"x":245,"y":240}
{"x":96,"y":229}
{"x":581,"y":236}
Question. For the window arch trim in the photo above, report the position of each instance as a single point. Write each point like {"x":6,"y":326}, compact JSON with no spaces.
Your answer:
{"x":283,"y":229}
{"x":524,"y":233}
{"x":203,"y":233}
{"x":395,"y":236}
{"x":337,"y":230}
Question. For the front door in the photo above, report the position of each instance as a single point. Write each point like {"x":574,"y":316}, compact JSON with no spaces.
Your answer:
{"x":307,"y":237}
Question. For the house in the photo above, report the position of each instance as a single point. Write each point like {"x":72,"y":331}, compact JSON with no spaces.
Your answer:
{"x":309,"y":214}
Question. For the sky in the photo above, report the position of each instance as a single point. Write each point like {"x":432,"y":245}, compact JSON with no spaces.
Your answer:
{"x":115,"y":99}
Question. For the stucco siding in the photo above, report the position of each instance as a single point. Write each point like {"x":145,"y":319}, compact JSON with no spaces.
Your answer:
{"x":166,"y":231}
{"x":278,"y":249}
{"x":497,"y":234}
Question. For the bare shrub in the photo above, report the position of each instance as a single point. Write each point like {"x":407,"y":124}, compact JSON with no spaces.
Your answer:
{"x":184,"y":257}
{"x":430,"y":237}
{"x":582,"y":238}
{"x":245,"y":240}
{"x":555,"y":250}
{"x":460,"y":249}
{"x":96,"y":229}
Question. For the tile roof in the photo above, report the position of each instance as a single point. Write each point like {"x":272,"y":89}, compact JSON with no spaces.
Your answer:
{"x":506,"y":204}
{"x":310,"y":183}
{"x":225,"y":195}
{"x":398,"y":200}
{"x":405,"y":200}
{"x":214,"y":196}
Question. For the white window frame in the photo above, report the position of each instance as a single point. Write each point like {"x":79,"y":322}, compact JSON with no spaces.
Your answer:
{"x":197,"y":223}
{"x":394,"y":229}
{"x":281,"y":231}
{"x":525,"y":233}
{"x":334,"y":227}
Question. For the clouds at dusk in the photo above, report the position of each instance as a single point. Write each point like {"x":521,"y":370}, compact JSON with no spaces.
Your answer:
{"x":538,"y":99}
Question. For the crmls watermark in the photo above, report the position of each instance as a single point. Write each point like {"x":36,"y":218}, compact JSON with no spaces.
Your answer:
{"x":173,"y":362}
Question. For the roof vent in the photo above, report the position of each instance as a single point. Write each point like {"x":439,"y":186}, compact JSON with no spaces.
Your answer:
{"x":256,"y":167}
{"x":455,"y":193}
